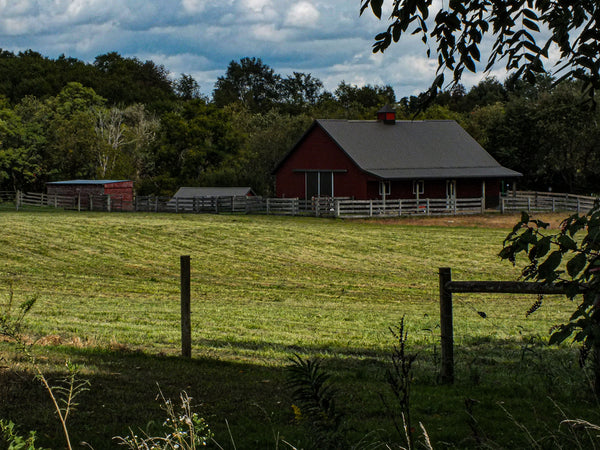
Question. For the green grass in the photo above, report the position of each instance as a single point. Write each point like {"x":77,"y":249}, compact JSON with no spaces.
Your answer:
{"x":263,"y":288}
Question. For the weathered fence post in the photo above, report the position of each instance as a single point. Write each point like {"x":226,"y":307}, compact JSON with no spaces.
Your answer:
{"x":446,"y":327}
{"x":108,"y":203}
{"x":186,"y":323}
{"x":17,"y":200}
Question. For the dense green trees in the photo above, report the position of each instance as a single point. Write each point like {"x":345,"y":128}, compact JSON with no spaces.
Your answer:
{"x":125,"y":119}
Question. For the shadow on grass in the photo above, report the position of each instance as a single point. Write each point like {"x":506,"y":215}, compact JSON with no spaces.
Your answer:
{"x":529,"y":381}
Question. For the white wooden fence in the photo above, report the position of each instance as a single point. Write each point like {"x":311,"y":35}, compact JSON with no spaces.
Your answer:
{"x":404,"y":207}
{"x":331,"y":207}
{"x":532,"y":201}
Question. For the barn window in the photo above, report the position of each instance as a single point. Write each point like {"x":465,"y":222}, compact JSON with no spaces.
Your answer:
{"x":319,"y":184}
{"x":418,"y":187}
{"x":385,"y":188}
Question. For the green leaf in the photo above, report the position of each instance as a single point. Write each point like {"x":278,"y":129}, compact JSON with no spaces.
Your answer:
{"x":566,"y":243}
{"x":531,"y":25}
{"x":576,"y":264}
{"x":376,"y":7}
{"x":507,"y":252}
{"x":542,"y":247}
{"x":469,"y":64}
{"x":547,"y":269}
{"x":559,"y":336}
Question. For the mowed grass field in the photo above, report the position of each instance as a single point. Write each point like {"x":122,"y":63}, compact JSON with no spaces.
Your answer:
{"x":264,"y":288}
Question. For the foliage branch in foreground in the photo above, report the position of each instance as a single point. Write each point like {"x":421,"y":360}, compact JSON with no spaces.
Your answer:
{"x":577,"y":244}
{"x":524,"y":32}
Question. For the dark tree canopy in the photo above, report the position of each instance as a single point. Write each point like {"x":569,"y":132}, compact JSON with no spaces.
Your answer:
{"x":524,"y":32}
{"x":250,"y":82}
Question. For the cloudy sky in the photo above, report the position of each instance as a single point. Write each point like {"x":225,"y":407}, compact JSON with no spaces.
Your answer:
{"x":326,"y":38}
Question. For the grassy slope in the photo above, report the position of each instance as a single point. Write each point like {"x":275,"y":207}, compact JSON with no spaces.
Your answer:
{"x":262,"y":288}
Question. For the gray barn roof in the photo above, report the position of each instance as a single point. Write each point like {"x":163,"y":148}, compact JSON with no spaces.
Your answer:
{"x":414,"y":149}
{"x":87,"y":182}
{"x":190,"y":192}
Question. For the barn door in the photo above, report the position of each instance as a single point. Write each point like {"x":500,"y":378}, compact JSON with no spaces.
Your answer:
{"x":319,"y":184}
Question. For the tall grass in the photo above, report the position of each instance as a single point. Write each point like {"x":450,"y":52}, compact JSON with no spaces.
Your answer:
{"x":264,"y":288}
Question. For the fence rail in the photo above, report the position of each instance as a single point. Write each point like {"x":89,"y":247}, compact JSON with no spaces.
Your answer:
{"x":428,"y":207}
{"x":532,"y":201}
{"x":7,"y":196}
{"x":322,"y":206}
{"x":448,"y":287}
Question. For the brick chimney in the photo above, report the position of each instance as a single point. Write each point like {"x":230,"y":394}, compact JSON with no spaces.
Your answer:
{"x":387,"y":115}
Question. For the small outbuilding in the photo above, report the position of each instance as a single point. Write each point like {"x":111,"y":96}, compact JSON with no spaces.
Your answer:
{"x":212,"y":199}
{"x":386,"y":158}
{"x":191,"y":192}
{"x":106,"y":194}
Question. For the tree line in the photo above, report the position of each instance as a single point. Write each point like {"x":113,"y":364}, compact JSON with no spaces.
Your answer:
{"x":122,"y":118}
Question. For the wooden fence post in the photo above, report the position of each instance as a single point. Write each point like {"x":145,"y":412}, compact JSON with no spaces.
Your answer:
{"x":18,"y":199}
{"x":446,"y":327}
{"x":186,"y":323}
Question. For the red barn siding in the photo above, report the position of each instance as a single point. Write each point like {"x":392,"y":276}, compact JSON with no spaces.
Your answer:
{"x":317,"y":151}
{"x":122,"y":190}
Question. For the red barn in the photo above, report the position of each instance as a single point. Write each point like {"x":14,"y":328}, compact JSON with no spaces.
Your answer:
{"x":372,"y":159}
{"x":120,"y":192}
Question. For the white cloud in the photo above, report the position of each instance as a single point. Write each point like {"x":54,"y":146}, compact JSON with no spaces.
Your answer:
{"x":268,"y":33}
{"x":255,"y":5}
{"x":302,"y":15}
{"x":194,"y":6}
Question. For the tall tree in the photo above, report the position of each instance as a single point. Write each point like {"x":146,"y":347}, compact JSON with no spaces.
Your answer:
{"x":524,"y":33}
{"x":187,"y":88}
{"x":71,"y":133}
{"x":19,"y":163}
{"x":124,"y":81}
{"x":300,"y":92}
{"x":250,"y":82}
{"x":192,"y":142}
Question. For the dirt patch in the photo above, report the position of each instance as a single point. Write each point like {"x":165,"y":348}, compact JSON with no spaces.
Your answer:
{"x":491,"y":220}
